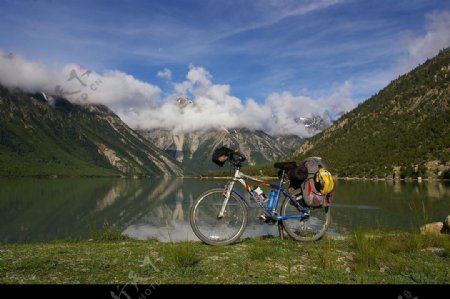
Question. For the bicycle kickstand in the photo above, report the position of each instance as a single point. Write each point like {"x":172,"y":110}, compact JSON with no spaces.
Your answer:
{"x":280,"y":229}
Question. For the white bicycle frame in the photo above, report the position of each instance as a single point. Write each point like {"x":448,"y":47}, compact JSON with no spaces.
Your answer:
{"x":238,"y":177}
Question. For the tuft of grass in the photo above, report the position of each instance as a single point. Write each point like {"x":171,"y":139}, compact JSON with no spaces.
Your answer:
{"x":68,"y":240}
{"x":181,"y":255}
{"x":325,"y":257}
{"x":366,"y":250}
{"x":108,"y":233}
{"x":420,"y":216}
{"x":410,"y":243}
{"x":261,"y":253}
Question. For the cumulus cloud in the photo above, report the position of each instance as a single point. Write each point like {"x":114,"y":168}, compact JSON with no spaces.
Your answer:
{"x":122,"y":92}
{"x":287,"y":108}
{"x":418,"y":48}
{"x":436,"y":38}
{"x":138,"y":103}
{"x":115,"y":89}
{"x":213,"y":106}
{"x":16,"y":71}
{"x":166,"y":73}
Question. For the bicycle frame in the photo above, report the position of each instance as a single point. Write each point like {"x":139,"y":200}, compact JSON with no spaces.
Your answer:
{"x":240,"y":177}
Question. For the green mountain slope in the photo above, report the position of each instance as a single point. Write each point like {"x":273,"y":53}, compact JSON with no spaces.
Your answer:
{"x":404,"y":130}
{"x":51,"y":136}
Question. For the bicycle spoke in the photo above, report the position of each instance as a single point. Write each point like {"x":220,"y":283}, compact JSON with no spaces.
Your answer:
{"x":212,"y":229}
{"x":311,"y":227}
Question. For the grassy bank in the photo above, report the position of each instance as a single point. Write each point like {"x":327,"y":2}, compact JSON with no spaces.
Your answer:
{"x":358,"y":258}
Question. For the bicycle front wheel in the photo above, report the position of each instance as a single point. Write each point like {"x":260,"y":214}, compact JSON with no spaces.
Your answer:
{"x":211,"y":229}
{"x":310,"y":228}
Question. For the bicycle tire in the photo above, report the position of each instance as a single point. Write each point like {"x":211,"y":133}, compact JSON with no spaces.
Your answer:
{"x":212,"y":230}
{"x":310,"y":229}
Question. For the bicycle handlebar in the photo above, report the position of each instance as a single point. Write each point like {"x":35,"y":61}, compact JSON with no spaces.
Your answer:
{"x":224,"y":154}
{"x":236,"y":158}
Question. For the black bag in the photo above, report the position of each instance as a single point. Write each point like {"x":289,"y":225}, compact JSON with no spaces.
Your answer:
{"x":297,"y":175}
{"x":221,"y":155}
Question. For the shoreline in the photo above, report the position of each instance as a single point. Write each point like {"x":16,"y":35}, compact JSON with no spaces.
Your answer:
{"x":408,"y":180}
{"x":201,"y":177}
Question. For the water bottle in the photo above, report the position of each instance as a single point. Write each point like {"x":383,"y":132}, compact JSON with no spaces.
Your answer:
{"x":261,"y":194}
{"x":272,"y":199}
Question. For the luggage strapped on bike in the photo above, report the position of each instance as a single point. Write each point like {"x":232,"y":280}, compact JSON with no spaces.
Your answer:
{"x":309,"y":180}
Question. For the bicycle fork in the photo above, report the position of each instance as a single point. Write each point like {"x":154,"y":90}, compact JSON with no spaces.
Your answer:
{"x":227,"y":193}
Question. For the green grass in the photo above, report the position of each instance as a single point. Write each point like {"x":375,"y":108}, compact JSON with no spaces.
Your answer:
{"x":107,"y":233}
{"x":360,"y":257}
{"x":182,"y":256}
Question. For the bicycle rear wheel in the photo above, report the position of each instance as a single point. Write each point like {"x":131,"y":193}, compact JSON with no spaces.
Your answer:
{"x":311,"y":228}
{"x":211,"y":229}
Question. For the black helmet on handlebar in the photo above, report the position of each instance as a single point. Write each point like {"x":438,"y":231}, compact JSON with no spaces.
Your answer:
{"x":223,"y":154}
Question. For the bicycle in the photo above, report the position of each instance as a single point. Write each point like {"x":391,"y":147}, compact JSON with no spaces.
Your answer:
{"x":219,"y":216}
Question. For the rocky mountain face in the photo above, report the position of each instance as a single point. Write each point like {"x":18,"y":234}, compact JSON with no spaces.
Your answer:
{"x":43,"y":135}
{"x":194,"y":150}
{"x":316,"y":123}
{"x":403,"y":131}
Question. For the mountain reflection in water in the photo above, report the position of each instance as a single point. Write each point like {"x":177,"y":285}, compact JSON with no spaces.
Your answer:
{"x":38,"y":210}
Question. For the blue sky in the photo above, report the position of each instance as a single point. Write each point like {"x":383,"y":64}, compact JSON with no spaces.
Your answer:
{"x":258,"y":53}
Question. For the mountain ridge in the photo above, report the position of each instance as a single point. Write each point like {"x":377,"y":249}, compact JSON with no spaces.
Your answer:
{"x":45,"y":136}
{"x":194,"y":149}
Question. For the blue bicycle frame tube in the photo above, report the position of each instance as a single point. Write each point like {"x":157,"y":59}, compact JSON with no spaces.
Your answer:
{"x":238,"y":193}
{"x":238,"y":176}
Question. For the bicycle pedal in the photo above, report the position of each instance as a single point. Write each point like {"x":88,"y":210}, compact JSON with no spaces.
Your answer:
{"x":270,"y":221}
{"x":267,"y":219}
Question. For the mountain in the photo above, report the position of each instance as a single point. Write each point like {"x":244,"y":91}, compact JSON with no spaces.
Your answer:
{"x":44,"y":135}
{"x":194,"y":149}
{"x":316,"y":123}
{"x":403,"y":130}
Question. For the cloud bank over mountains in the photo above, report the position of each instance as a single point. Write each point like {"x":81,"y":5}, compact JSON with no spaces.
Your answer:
{"x":140,"y":104}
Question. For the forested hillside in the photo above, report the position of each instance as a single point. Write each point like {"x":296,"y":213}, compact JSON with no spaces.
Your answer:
{"x":404,"y":129}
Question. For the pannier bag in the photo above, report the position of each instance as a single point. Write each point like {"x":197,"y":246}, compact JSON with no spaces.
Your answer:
{"x":315,"y":181}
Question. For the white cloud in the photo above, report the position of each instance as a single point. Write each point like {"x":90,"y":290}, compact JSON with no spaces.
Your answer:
{"x":115,"y":89}
{"x":268,"y":12}
{"x":138,"y":103}
{"x":436,"y":38}
{"x":16,"y":71}
{"x":121,"y":92}
{"x":339,"y":100}
{"x":213,"y":106}
{"x":166,"y":73}
{"x":286,"y":107}
{"x":418,"y":48}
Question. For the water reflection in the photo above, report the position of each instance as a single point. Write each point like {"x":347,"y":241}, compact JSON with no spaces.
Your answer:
{"x":167,"y":219}
{"x":35,"y":210}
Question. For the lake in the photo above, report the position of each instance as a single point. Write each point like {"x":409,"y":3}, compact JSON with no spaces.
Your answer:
{"x":42,"y":210}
